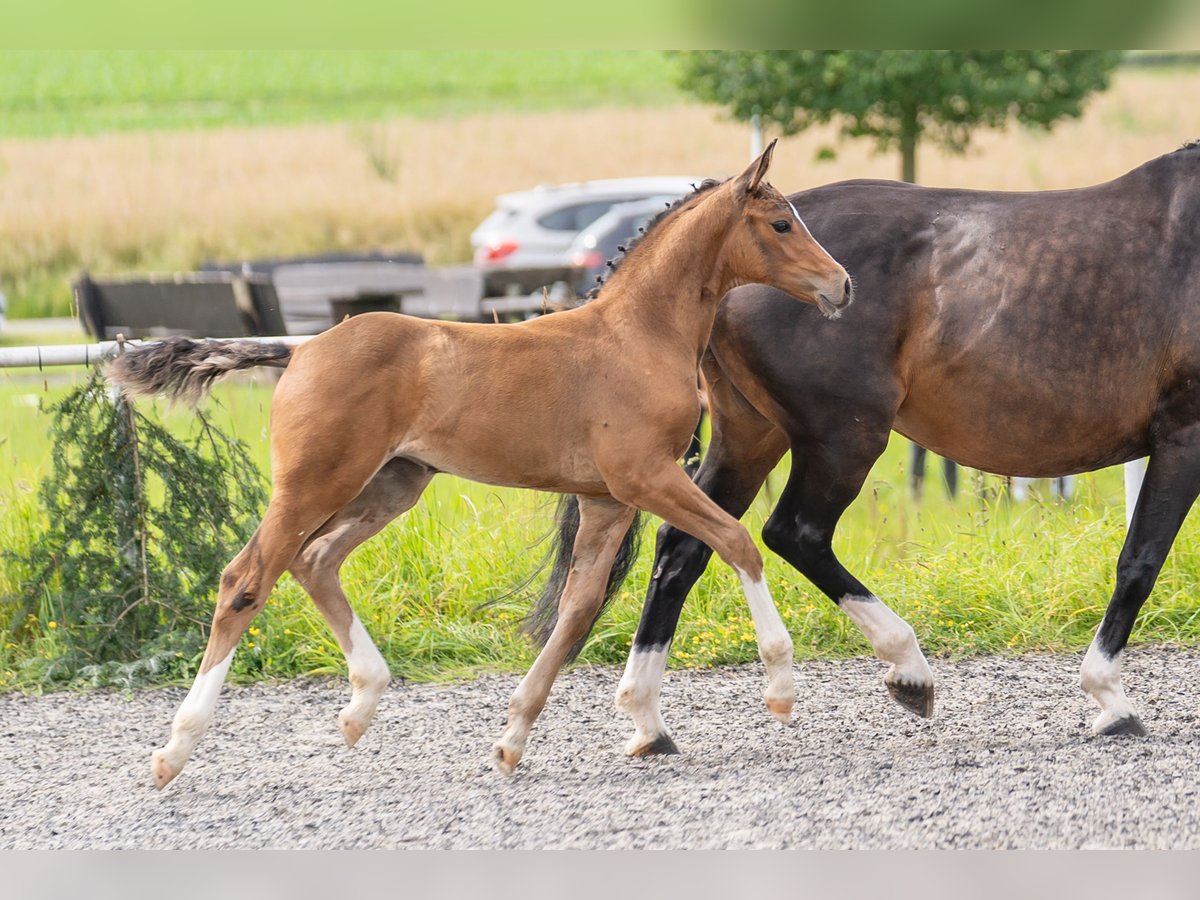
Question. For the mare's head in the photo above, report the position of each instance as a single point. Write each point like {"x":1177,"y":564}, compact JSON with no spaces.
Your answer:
{"x":772,"y":246}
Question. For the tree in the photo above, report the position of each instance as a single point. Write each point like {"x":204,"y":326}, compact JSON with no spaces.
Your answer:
{"x":137,"y":526}
{"x":900,"y":97}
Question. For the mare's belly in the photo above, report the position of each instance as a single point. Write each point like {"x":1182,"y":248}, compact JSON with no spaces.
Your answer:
{"x":1023,"y":428}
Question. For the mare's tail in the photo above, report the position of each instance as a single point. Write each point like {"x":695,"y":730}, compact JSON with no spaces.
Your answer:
{"x":542,"y":618}
{"x":184,"y":369}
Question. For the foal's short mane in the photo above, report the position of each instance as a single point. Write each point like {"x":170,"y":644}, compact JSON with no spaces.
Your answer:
{"x":1189,"y":145}
{"x":615,"y":263}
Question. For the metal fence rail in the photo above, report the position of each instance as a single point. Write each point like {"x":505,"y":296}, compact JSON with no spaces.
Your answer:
{"x":90,"y":354}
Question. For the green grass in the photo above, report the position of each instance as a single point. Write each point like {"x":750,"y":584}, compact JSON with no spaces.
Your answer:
{"x":85,"y":92}
{"x":980,"y":575}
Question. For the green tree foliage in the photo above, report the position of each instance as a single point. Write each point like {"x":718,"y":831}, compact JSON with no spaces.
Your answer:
{"x":138,"y":527}
{"x":900,"y":97}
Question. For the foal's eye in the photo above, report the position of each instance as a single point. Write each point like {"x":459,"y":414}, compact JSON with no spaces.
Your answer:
{"x":783,"y":226}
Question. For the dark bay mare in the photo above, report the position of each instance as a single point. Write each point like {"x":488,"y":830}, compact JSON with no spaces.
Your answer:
{"x":1035,"y":334}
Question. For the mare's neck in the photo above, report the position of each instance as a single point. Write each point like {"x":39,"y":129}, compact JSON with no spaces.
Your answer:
{"x":670,"y":287}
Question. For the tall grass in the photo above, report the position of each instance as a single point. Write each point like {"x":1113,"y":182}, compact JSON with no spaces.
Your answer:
{"x":167,"y":200}
{"x":977,"y":575}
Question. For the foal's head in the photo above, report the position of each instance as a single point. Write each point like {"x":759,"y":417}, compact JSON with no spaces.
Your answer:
{"x":772,"y":246}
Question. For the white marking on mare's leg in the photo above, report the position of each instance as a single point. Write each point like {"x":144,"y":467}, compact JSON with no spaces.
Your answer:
{"x":910,"y":680}
{"x":1100,"y":677}
{"x":191,"y":721}
{"x":369,"y":677}
{"x":774,"y":647}
{"x":638,"y":695}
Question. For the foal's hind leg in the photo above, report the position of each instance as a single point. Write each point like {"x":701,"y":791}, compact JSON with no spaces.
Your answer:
{"x":245,"y":584}
{"x":393,"y":491}
{"x":602,"y":527}
{"x":301,"y":504}
{"x":1171,"y":486}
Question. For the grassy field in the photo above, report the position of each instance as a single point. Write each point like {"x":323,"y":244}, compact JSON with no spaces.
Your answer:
{"x":45,"y":93}
{"x":978,"y":575}
{"x":164,"y":201}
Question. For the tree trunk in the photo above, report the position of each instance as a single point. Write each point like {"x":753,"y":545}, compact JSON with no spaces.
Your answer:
{"x":910,"y":130}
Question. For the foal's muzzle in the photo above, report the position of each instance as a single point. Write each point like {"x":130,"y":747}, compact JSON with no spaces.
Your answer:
{"x":833,"y":302}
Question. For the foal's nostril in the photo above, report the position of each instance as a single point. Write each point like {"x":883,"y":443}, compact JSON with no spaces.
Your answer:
{"x":847,"y":289}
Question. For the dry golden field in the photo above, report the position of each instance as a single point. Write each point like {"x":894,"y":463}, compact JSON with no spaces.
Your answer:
{"x":166,"y":200}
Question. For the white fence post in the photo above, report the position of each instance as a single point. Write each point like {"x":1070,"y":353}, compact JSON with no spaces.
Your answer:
{"x":1135,"y":472}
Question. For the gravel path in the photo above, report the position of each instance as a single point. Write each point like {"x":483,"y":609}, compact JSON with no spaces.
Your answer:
{"x":1007,"y":762}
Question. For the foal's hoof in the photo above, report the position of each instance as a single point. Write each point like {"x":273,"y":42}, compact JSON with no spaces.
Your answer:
{"x":350,"y":728}
{"x":1129,"y":724}
{"x":162,"y":770}
{"x":915,"y":697}
{"x":505,"y":758}
{"x":781,"y":708}
{"x":658,"y":745}
{"x":780,"y":697}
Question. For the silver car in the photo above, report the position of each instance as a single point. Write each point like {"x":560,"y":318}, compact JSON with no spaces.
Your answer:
{"x":535,"y":228}
{"x":601,"y":241}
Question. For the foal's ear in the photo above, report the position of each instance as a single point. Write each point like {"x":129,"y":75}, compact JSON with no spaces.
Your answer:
{"x":747,"y":183}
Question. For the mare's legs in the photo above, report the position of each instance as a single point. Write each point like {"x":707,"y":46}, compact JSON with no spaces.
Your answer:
{"x":602,"y":527}
{"x":827,"y":474}
{"x":916,"y":472}
{"x":916,"y":469}
{"x":743,"y":452}
{"x":393,"y":491}
{"x":1171,"y":484}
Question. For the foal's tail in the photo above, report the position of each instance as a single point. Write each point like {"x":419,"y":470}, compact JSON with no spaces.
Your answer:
{"x":184,"y":369}
{"x":542,"y":618}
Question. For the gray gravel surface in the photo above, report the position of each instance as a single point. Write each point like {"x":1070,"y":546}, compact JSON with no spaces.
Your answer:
{"x":1006,"y":762}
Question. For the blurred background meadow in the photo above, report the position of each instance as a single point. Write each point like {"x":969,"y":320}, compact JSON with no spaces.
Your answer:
{"x":153,"y":161}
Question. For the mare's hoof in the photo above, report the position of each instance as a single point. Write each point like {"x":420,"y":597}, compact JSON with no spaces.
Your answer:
{"x":659,"y":745}
{"x":1129,"y":724}
{"x":162,"y":770}
{"x":350,"y":728}
{"x":505,"y":758}
{"x":916,"y":698}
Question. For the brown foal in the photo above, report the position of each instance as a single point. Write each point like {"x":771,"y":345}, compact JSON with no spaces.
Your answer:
{"x":368,"y":412}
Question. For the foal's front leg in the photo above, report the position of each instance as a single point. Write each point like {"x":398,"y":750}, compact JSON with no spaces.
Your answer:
{"x":668,"y":493}
{"x":602,"y":527}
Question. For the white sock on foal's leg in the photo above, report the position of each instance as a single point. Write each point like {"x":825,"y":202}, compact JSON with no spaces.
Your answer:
{"x":909,"y":680}
{"x":369,"y":677}
{"x":638,"y":695}
{"x":191,"y":721}
{"x":774,"y":646}
{"x":1100,"y":677}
